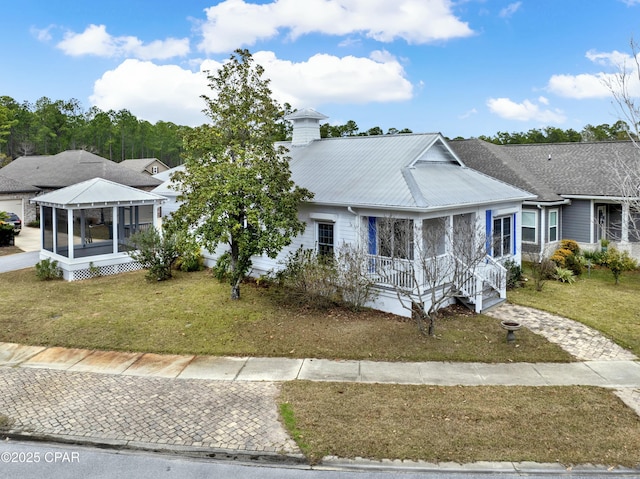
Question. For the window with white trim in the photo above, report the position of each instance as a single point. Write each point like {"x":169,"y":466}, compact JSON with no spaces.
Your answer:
{"x":325,"y":239}
{"x":154,"y":170}
{"x":553,"y":225}
{"x":529,"y":226}
{"x":502,"y":235}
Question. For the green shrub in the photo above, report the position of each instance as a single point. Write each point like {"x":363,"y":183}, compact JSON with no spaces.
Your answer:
{"x":596,"y":257}
{"x":619,"y":261}
{"x":564,"y":275}
{"x":190,"y":258}
{"x":7,"y":234}
{"x":542,"y":271}
{"x":514,"y":274}
{"x":48,"y":269}
{"x":155,"y":252}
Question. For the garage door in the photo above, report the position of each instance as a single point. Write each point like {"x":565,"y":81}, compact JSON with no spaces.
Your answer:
{"x":12,"y":206}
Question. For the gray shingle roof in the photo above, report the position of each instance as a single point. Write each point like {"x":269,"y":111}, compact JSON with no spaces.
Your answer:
{"x":73,"y":166}
{"x":400,"y":171}
{"x":9,"y":185}
{"x":585,"y":169}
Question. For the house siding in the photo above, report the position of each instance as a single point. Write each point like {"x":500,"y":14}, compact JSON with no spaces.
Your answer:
{"x":576,"y":221}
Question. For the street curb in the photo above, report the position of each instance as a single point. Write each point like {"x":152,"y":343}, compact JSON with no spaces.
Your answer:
{"x":480,"y":467}
{"x":254,"y":457}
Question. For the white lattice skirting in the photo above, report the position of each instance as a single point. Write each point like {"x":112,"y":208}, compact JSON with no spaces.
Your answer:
{"x":109,"y":270}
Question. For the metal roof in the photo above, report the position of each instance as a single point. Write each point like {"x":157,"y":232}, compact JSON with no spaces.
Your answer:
{"x":96,"y":192}
{"x":402,"y":171}
{"x":73,"y":166}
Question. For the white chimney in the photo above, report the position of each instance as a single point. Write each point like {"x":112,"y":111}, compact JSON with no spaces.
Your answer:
{"x":306,"y":126}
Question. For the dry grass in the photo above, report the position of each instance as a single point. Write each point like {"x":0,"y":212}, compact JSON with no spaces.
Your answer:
{"x":192,"y":314}
{"x":7,"y":250}
{"x":570,"y":425}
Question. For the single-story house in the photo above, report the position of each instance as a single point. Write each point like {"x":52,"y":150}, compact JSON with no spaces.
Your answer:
{"x":579,"y":192}
{"x":148,"y":166}
{"x":85,"y":227}
{"x":51,"y":172}
{"x":415,"y":181}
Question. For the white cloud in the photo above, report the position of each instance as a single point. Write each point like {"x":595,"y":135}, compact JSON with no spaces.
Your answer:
{"x":580,"y":86}
{"x":96,"y":41}
{"x":510,"y":9}
{"x":543,"y":100}
{"x":153,"y":92}
{"x":468,"y":114}
{"x":170,"y":93}
{"x":234,"y":23}
{"x":42,"y":34}
{"x":525,"y":111}
{"x":329,"y":79}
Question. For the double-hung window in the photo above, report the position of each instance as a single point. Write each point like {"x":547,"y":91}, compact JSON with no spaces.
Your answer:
{"x":325,"y":239}
{"x":529,"y":226}
{"x":553,"y":225}
{"x":502,"y":235}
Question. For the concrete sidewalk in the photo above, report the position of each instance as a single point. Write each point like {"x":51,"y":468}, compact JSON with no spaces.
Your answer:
{"x":608,"y":374}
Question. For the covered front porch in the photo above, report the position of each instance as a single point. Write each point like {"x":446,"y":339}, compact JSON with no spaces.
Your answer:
{"x":450,"y":255}
{"x":86,"y":227}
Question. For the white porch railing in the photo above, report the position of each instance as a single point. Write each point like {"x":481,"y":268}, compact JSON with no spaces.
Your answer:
{"x":470,"y":282}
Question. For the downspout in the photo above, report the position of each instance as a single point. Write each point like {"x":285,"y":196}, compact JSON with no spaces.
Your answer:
{"x":542,"y":236}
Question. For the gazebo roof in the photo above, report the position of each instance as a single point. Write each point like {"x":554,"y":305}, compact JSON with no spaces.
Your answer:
{"x":95,"y":193}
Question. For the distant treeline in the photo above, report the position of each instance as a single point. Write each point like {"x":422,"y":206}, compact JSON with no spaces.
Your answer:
{"x":48,"y":127}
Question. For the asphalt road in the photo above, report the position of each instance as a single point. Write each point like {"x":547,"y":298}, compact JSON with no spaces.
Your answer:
{"x":26,"y":460}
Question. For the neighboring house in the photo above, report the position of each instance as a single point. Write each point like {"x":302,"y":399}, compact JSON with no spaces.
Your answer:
{"x":148,"y":166}
{"x":52,"y":172}
{"x":85,"y":227}
{"x":415,"y":180}
{"x":14,"y":195}
{"x":578,"y":188}
{"x":167,"y":191}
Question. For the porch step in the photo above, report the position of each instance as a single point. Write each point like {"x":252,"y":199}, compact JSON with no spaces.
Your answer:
{"x":488,"y":303}
{"x":491,"y":303}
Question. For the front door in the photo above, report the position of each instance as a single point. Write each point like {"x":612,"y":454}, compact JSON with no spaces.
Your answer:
{"x":601,"y":223}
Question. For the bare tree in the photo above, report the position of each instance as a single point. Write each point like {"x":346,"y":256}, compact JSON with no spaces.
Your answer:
{"x":624,"y":85}
{"x":431,"y":263}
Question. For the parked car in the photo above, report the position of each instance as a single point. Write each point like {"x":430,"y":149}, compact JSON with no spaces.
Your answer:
{"x":17,"y":222}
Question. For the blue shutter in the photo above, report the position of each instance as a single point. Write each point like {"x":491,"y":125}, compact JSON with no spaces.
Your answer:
{"x":489,"y":223}
{"x":514,"y":233}
{"x":372,"y":235}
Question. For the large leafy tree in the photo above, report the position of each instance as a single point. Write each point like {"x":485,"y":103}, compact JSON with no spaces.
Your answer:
{"x":236,"y":189}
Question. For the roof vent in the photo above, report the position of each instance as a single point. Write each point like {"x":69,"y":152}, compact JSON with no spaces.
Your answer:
{"x":306,"y":126}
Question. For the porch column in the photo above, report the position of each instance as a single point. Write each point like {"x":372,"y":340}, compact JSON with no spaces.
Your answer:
{"x":70,"y":232}
{"x":54,"y":230}
{"x":418,"y":250}
{"x":626,"y":219}
{"x":115,"y":226}
{"x":42,"y":227}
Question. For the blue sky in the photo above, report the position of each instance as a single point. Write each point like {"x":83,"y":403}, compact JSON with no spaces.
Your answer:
{"x":460,"y":67}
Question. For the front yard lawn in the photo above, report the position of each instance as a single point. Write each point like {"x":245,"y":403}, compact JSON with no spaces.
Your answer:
{"x":192,"y":314}
{"x":594,"y":300}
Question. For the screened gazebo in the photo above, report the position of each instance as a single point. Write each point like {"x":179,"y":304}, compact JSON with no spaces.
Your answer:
{"x":86,"y":226}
